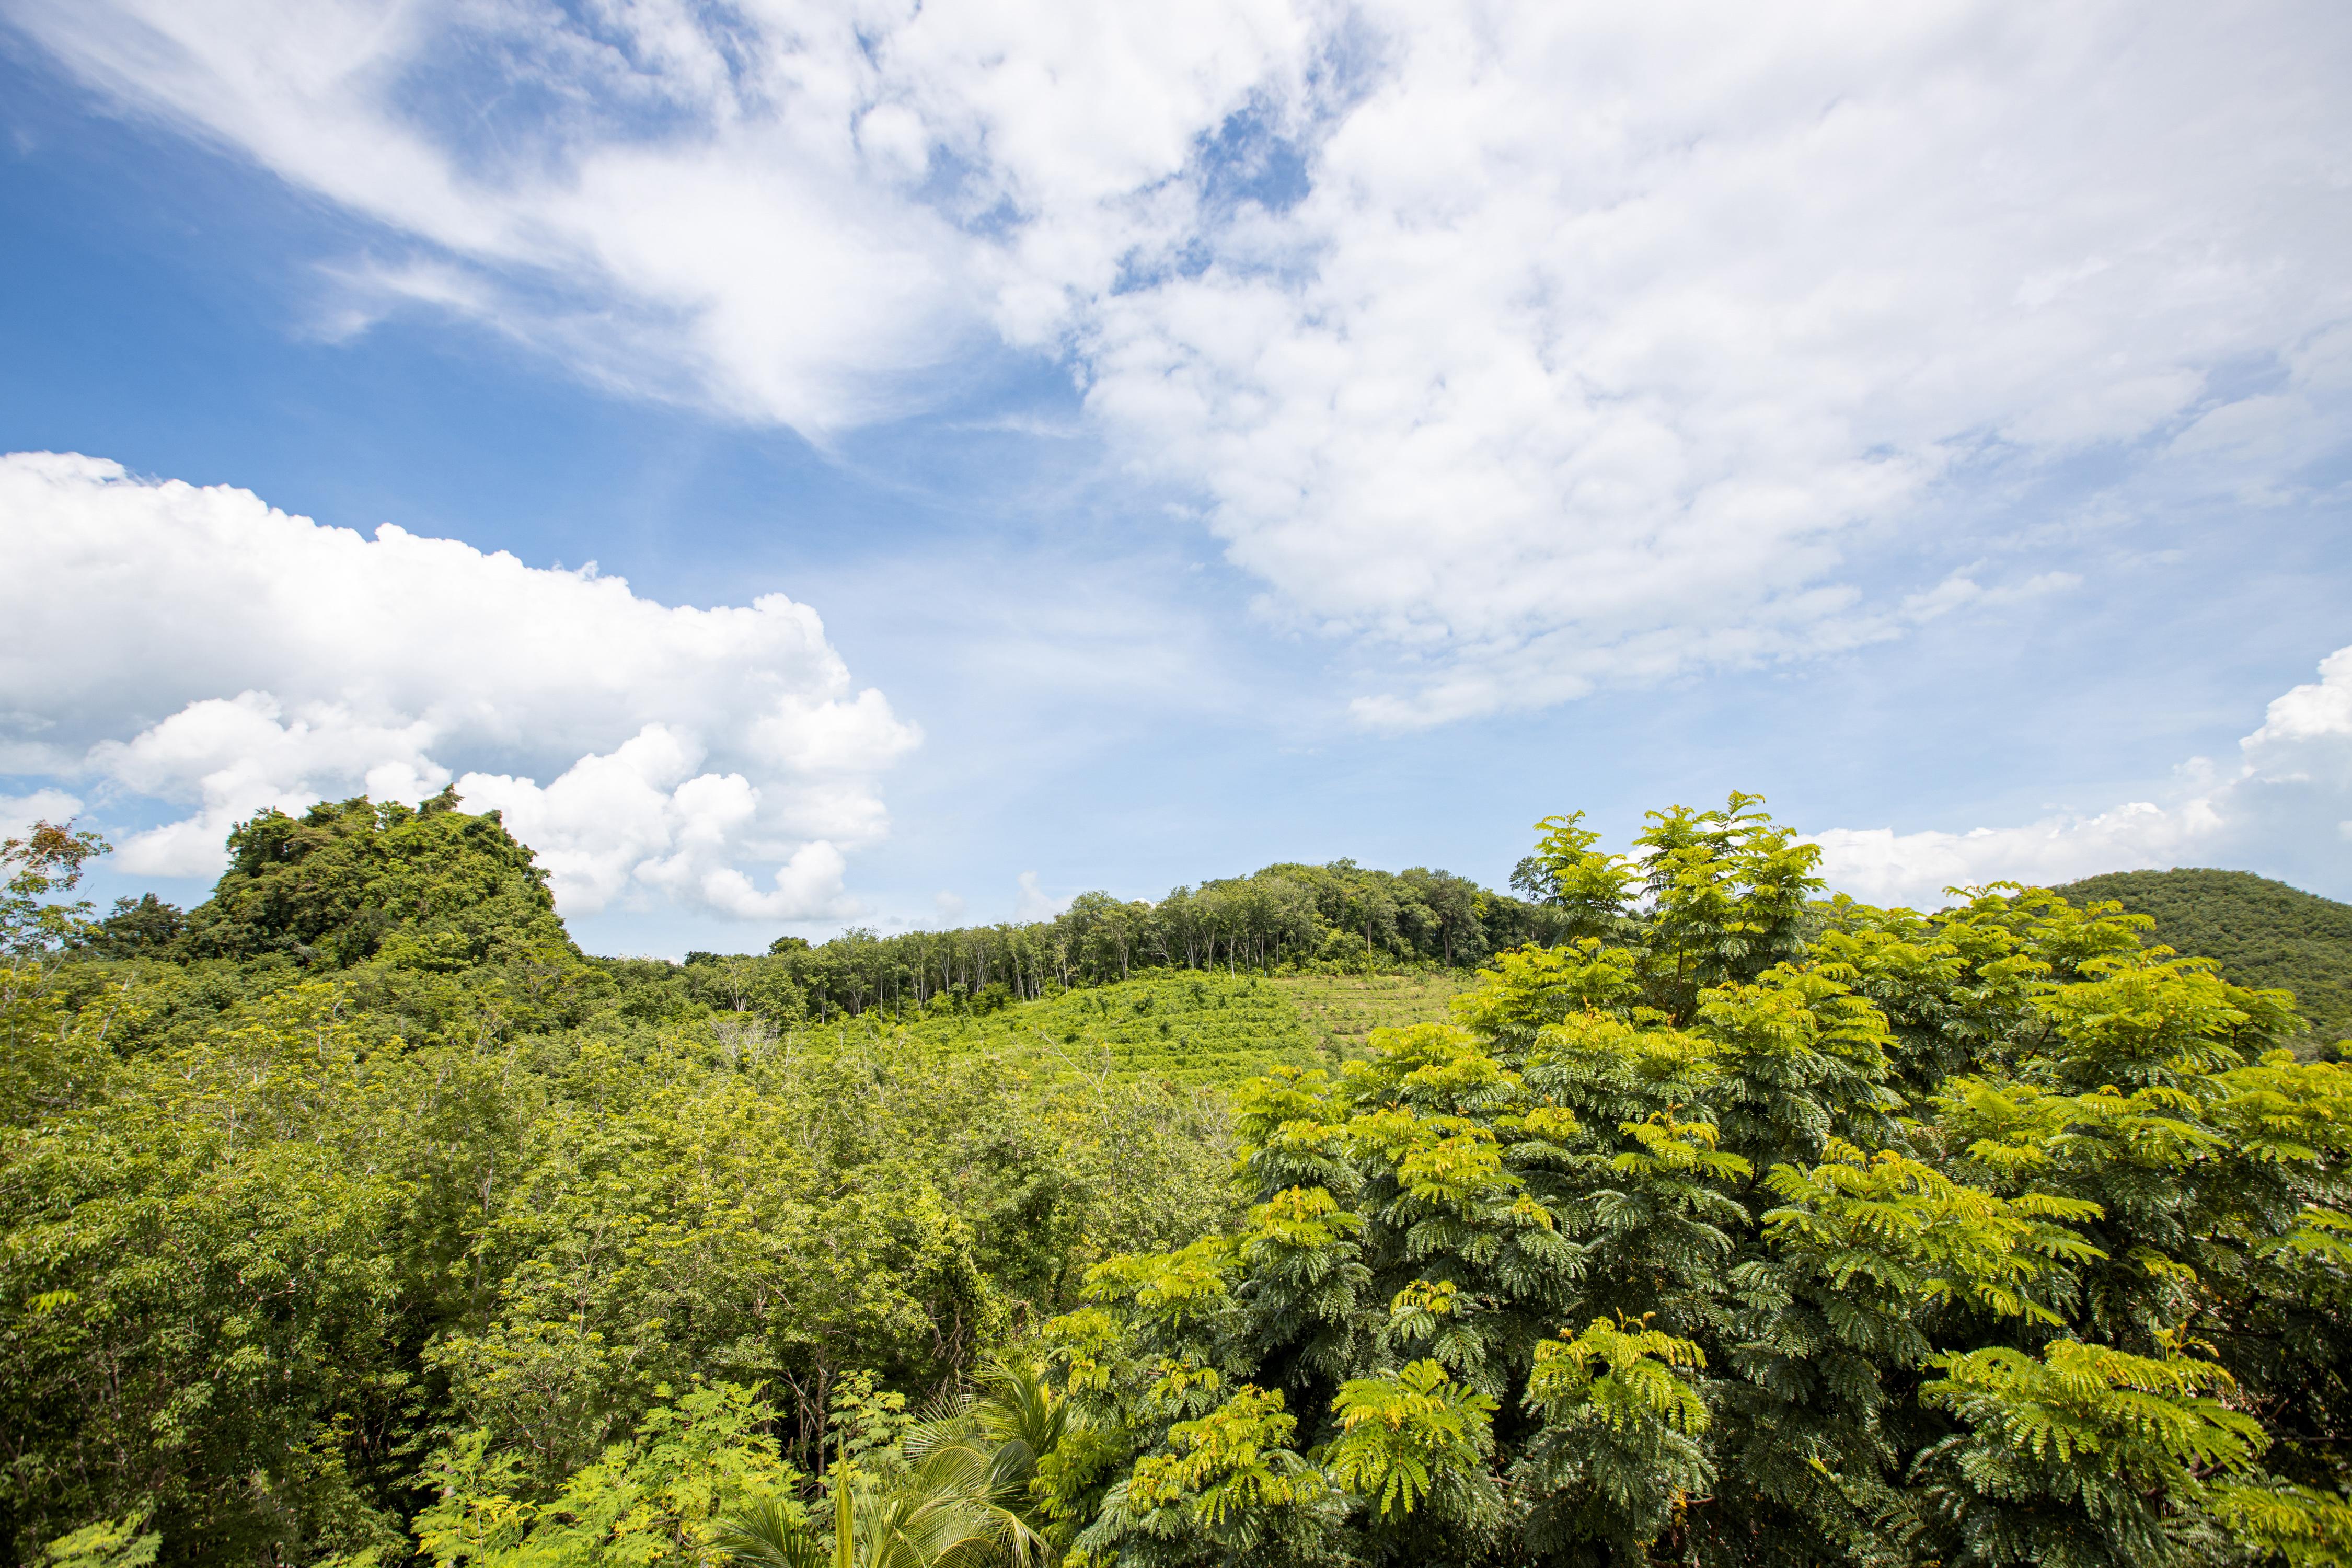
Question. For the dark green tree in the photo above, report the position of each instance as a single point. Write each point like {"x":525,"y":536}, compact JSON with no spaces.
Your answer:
{"x":433,"y":888}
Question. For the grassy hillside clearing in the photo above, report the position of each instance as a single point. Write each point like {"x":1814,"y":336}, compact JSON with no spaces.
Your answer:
{"x":1342,"y":1010}
{"x":1184,"y":1028}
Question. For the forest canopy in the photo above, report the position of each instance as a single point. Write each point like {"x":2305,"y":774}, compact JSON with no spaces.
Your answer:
{"x":435,"y":889}
{"x":355,"y":1217}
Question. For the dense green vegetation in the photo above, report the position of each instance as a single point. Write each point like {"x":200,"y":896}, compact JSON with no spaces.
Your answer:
{"x":355,"y":1216}
{"x":1744,"y":1229}
{"x":1176,"y":1027}
{"x":1285,"y":918}
{"x":1344,"y":1010}
{"x":2263,"y":933}
{"x":298,"y":1218}
{"x":383,"y":895}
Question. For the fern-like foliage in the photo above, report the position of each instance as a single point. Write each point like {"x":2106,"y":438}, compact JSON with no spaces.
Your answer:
{"x":2152,"y":1421}
{"x":1891,"y":1230}
{"x":2304,"y":1526}
{"x":1403,"y":1433}
{"x":1624,"y":1374}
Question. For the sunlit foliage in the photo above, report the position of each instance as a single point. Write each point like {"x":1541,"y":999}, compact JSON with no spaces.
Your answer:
{"x":1746,"y":1228}
{"x":354,"y":1217}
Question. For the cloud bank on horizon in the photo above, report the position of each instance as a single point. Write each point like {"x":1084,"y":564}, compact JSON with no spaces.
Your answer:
{"x":1520,"y":349}
{"x":354,"y":665}
{"x":246,"y":658}
{"x":252,"y":660}
{"x":2288,"y":796}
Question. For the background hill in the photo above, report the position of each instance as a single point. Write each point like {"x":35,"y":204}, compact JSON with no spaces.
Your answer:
{"x":2264,"y":932}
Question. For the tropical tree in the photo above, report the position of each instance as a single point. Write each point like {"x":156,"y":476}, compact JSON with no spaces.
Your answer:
{"x":1746,"y":1228}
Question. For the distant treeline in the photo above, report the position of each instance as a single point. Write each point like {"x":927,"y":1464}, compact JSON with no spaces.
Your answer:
{"x":322,"y":892}
{"x":1285,"y":917}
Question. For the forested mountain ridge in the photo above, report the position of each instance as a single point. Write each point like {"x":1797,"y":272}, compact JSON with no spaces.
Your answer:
{"x":404,"y":893}
{"x":1722,"y":1223}
{"x":2264,"y":932}
{"x":445,"y":889}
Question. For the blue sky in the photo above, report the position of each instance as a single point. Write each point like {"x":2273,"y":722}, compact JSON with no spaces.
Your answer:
{"x":1296,"y":432}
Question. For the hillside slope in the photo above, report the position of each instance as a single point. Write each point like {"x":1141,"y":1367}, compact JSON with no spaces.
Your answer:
{"x":1197,"y":1028}
{"x":1342,"y":1010}
{"x":1201,"y":1028}
{"x":2264,"y":932}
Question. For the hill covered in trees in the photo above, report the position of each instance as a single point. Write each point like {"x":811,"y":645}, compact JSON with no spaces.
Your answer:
{"x":390,"y":890}
{"x":2263,"y":932}
{"x":356,"y":1217}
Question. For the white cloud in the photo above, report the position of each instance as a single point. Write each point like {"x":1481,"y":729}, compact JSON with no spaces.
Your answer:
{"x":1529,"y":347}
{"x":231,"y":657}
{"x":720,"y":204}
{"x":1033,"y":903}
{"x":951,"y":907}
{"x":2286,"y":809}
{"x":1600,"y":344}
{"x":2316,"y":714}
{"x":1961,"y":590}
{"x":19,"y":812}
{"x":239,"y":755}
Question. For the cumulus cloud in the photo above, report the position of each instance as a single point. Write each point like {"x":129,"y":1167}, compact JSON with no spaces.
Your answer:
{"x":19,"y":812}
{"x":229,"y":656}
{"x":1525,"y":347}
{"x":240,"y":754}
{"x":1601,"y":342}
{"x":2285,"y":808}
{"x":1031,"y":902}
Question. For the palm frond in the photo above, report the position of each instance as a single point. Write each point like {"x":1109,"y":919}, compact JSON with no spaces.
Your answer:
{"x":769,"y":1535}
